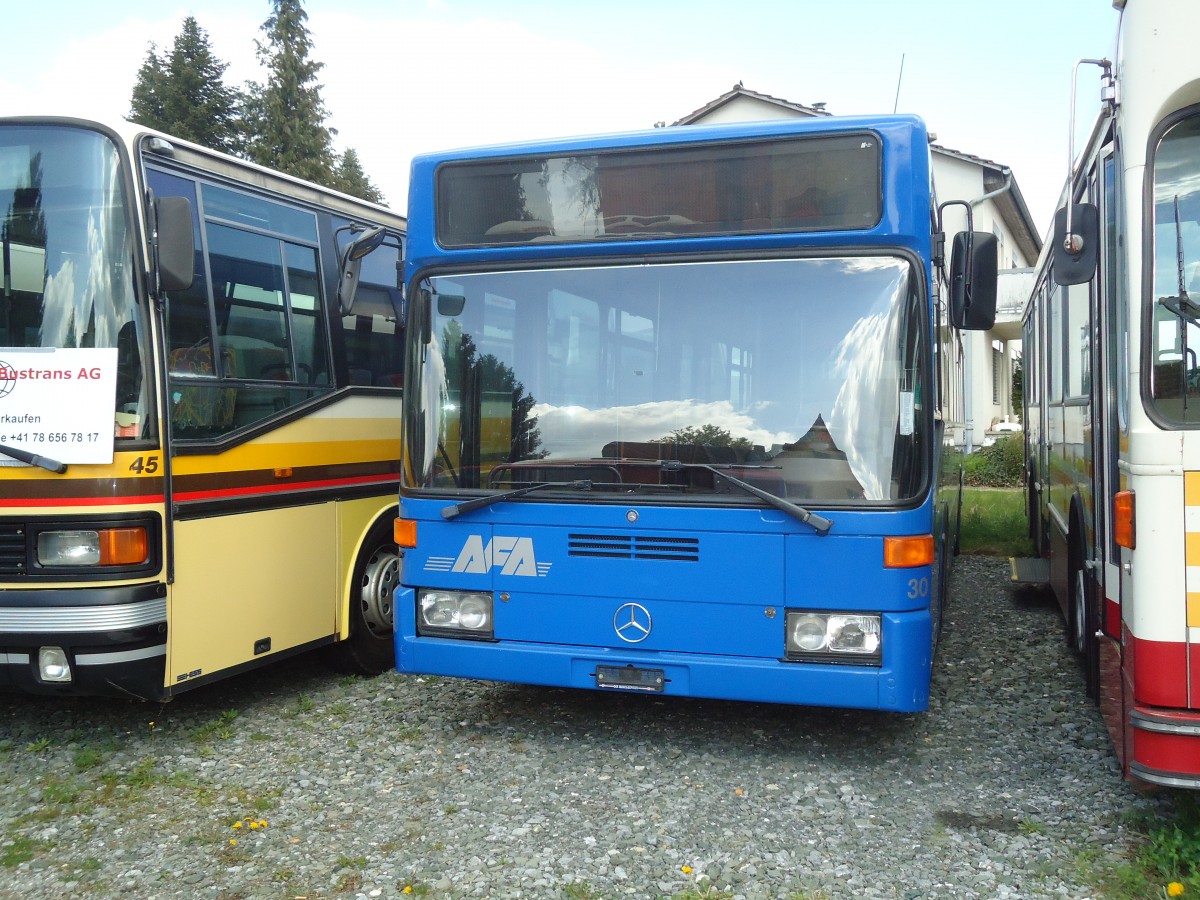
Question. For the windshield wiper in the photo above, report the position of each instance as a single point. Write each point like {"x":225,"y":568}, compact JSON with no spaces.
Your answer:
{"x":450,"y":512}
{"x":1181,"y":305}
{"x":820,"y":523}
{"x":50,"y":465}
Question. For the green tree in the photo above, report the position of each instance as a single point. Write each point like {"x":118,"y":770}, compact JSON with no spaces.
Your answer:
{"x":350,"y":178}
{"x":286,"y":117}
{"x":184,"y":93}
{"x":705,"y":436}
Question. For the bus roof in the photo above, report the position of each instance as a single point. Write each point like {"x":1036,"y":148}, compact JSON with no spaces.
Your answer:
{"x":686,"y":134}
{"x":612,"y":194}
{"x":131,"y":135}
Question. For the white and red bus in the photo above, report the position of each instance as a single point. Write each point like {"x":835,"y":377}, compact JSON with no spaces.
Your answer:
{"x":1112,"y":396}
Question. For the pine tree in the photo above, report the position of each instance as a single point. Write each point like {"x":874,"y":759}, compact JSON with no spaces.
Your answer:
{"x":286,"y":118}
{"x":184,"y":93}
{"x":147,"y":106}
{"x":350,"y":178}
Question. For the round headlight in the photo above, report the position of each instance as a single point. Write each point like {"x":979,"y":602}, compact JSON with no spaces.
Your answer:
{"x":472,"y":613}
{"x":808,"y":633}
{"x":437,"y":610}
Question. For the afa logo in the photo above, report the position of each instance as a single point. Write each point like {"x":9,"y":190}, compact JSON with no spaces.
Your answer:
{"x":511,"y":555}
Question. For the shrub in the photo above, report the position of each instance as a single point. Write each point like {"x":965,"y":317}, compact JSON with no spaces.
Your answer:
{"x":1000,"y":465}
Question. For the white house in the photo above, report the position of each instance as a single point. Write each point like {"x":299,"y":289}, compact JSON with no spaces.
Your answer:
{"x":980,"y":394}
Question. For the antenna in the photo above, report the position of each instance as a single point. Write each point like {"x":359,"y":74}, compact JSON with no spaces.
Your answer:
{"x":899,"y":78}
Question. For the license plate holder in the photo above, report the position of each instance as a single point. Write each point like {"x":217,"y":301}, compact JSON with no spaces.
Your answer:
{"x":630,"y":678}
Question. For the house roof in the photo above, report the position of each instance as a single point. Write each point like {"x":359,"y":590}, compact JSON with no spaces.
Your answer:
{"x":1010,"y":204}
{"x":738,"y":91}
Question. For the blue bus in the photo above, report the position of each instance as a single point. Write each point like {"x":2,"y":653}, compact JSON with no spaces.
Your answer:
{"x":671,"y":412}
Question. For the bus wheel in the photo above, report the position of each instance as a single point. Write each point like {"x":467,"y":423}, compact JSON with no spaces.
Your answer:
{"x":937,"y":611}
{"x":370,"y":649}
{"x":1079,"y":617}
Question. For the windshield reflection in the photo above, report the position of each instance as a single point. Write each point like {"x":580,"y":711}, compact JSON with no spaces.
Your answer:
{"x":67,"y":254}
{"x":1175,"y":375}
{"x":805,"y":376}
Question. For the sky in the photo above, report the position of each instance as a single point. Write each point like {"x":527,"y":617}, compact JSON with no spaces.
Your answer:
{"x":402,"y":77}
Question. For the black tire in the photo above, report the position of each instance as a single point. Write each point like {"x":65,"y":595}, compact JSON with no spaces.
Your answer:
{"x":943,"y":586}
{"x":1077,"y":614}
{"x":1082,"y":624}
{"x":370,"y":649}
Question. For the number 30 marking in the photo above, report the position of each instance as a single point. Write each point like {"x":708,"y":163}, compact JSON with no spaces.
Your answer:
{"x":918,"y":587}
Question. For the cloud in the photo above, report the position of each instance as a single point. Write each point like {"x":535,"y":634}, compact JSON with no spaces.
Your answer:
{"x":410,"y":85}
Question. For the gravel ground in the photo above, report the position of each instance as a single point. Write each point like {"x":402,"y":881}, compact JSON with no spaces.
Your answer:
{"x":1007,"y":787}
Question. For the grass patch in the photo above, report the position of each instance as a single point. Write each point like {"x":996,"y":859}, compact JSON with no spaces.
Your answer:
{"x":1168,"y":862}
{"x":87,"y":758}
{"x":994,"y":522}
{"x":221,"y":728}
{"x":17,"y":850}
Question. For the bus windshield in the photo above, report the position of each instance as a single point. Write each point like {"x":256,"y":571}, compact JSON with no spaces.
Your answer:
{"x":1175,"y":339}
{"x":803,"y":377}
{"x":67,"y":262}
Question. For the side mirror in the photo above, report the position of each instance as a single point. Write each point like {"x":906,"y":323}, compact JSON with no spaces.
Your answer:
{"x":359,"y":248}
{"x":973,"y":281}
{"x":451,"y":304}
{"x":1076,"y":250}
{"x":175,"y":242}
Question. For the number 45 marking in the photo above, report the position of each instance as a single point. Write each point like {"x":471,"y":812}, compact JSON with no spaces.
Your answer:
{"x":144,"y":465}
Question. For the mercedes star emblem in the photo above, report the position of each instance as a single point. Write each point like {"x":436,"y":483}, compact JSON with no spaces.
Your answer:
{"x":632,"y":622}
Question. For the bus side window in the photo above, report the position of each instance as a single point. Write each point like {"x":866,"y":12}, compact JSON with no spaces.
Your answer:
{"x":373,"y":336}
{"x":199,"y":407}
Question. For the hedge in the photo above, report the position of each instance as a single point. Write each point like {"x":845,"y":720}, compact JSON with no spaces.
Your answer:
{"x":1000,"y":465}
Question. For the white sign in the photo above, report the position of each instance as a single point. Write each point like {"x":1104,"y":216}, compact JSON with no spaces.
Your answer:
{"x":59,"y":404}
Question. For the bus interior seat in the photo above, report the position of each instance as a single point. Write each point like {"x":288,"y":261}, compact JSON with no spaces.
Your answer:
{"x":201,"y":407}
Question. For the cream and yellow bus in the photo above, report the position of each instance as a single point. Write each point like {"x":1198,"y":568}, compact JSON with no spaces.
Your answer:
{"x":200,"y":378}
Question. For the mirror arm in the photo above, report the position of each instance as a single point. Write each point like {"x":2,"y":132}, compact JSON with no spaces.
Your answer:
{"x":970,"y":242}
{"x":1072,"y":242}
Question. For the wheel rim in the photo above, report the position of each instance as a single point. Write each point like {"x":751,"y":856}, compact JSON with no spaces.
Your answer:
{"x":1080,"y":625}
{"x":380,"y":577}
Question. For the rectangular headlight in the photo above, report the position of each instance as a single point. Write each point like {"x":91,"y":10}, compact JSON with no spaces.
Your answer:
{"x":68,"y":548}
{"x":461,"y":614}
{"x":833,"y":637}
{"x":93,"y":547}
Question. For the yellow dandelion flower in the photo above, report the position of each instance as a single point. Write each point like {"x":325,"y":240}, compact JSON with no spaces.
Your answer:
{"x":236,"y":825}
{"x":408,"y":889}
{"x":233,"y":842}
{"x":1174,"y":889}
{"x":254,"y":826}
{"x":262,"y":823}
{"x":687,"y":870}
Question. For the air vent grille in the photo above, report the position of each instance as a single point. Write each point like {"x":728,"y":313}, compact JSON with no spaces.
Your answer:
{"x":634,"y":546}
{"x":12,"y":549}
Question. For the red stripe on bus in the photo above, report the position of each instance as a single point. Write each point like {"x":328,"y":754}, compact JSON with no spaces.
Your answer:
{"x":1112,"y":616}
{"x":1160,"y":672}
{"x":1170,"y":753}
{"x":46,"y":502}
{"x":1194,"y":670}
{"x":267,"y":490}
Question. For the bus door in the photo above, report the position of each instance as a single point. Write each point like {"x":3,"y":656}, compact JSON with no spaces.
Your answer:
{"x":1109,"y":418}
{"x":254,"y":571}
{"x":1113,"y":315}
